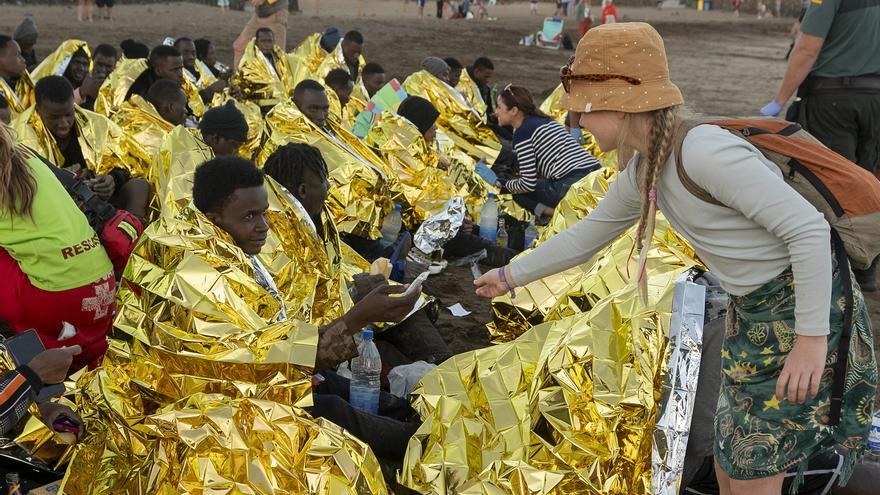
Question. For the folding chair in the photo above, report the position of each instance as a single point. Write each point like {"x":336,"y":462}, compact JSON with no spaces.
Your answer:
{"x":551,"y":35}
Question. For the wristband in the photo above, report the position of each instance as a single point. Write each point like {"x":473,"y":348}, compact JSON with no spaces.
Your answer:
{"x":503,"y":279}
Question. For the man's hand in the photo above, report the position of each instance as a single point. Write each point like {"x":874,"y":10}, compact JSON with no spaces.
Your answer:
{"x":467,"y":226}
{"x":364,"y":283}
{"x":803,"y":369}
{"x":90,"y":85}
{"x":379,"y":306}
{"x":102,"y":185}
{"x":51,"y":365}
{"x":52,"y":411}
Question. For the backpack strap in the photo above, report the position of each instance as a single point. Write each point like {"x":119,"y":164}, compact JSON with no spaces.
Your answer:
{"x":684,"y":127}
{"x":838,"y":385}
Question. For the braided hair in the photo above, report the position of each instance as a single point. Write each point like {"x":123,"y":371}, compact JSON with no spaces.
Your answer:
{"x":288,"y":164}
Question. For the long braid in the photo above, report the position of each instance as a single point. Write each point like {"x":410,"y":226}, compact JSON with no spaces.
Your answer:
{"x":17,"y":185}
{"x":661,"y":138}
{"x":289,"y":162}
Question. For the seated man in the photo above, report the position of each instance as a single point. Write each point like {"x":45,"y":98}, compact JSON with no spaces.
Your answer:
{"x":165,"y":63}
{"x":15,"y":82}
{"x":55,"y":275}
{"x":339,"y":81}
{"x":204,"y":80}
{"x":224,"y":129}
{"x":352,"y":48}
{"x":26,"y":35}
{"x":206,"y":60}
{"x":264,"y":74}
{"x":373,"y":77}
{"x":104,"y":61}
{"x":71,"y":59}
{"x":230,"y":191}
{"x":437,"y":67}
{"x":455,"y":69}
{"x":301,"y":169}
{"x":83,"y":142}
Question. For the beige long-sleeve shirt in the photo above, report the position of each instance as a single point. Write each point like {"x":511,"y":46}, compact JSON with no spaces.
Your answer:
{"x":765,"y":227}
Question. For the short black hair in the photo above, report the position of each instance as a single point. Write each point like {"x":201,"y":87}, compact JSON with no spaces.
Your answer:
{"x":163,"y":90}
{"x":133,"y":49}
{"x":180,"y":40}
{"x":4,"y":40}
{"x":163,"y":51}
{"x":307,"y":85}
{"x":216,"y":180}
{"x":372,"y":68}
{"x":289,"y":162}
{"x":263,"y":30}
{"x":354,"y":37}
{"x":202,"y":45}
{"x":3,"y":103}
{"x":484,"y":63}
{"x":453,"y":63}
{"x":56,"y":89}
{"x":106,"y":50}
{"x":81,"y":52}
{"x":337,"y":77}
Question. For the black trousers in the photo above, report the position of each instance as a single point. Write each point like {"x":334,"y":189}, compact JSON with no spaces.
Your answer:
{"x":847,"y":121}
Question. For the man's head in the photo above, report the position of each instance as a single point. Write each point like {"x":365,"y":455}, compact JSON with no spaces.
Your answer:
{"x":77,"y":67}
{"x":187,"y":50}
{"x":265,"y":40}
{"x":373,"y":76}
{"x":340,"y":82}
{"x":311,"y":99}
{"x":301,"y":169}
{"x":11,"y":62}
{"x":455,"y":69}
{"x":104,"y":60}
{"x":205,"y":51}
{"x":353,"y":47}
{"x":224,"y":129}
{"x":329,"y":39}
{"x":422,"y":114}
{"x":169,"y":100}
{"x":230,"y":191}
{"x":26,"y":34}
{"x":437,"y":67}
{"x":132,"y":49}
{"x":483,"y":70}
{"x":55,"y":105}
{"x":166,"y":63}
{"x":5,"y":112}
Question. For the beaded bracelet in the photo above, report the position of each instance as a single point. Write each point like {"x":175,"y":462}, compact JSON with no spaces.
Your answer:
{"x":503,"y":279}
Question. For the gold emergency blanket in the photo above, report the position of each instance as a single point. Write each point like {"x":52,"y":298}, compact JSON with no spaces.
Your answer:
{"x":205,"y":79}
{"x":469,"y":89}
{"x":202,"y":387}
{"x":305,"y":59}
{"x":141,"y":122}
{"x":568,"y":407}
{"x":360,"y":188}
{"x":56,"y":63}
{"x":259,"y":80}
{"x":461,"y":169}
{"x":20,"y":97}
{"x":457,"y":117}
{"x":414,"y":163}
{"x":103,"y":144}
{"x":114,"y":91}
{"x":256,"y":124}
{"x":551,"y":107}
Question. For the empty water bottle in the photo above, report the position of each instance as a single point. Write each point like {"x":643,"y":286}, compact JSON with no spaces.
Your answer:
{"x":531,"y":234}
{"x":365,"y":371}
{"x":489,"y":219}
{"x":391,"y":226}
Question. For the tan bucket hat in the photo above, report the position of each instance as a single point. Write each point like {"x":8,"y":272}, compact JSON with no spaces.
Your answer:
{"x":620,"y":67}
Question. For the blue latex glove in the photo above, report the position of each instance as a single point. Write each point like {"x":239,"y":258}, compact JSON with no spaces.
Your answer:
{"x":486,"y":173}
{"x":772,"y":109}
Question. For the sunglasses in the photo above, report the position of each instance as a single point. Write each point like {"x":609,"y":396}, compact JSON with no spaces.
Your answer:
{"x":567,"y":76}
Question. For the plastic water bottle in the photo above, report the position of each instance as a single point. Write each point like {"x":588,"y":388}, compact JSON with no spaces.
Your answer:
{"x":502,"y":234}
{"x":391,"y":226}
{"x":365,"y":370}
{"x":873,"y":454}
{"x":489,"y":219}
{"x":531,"y":234}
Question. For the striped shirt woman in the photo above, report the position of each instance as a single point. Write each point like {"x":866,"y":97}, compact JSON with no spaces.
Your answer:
{"x":550,"y":159}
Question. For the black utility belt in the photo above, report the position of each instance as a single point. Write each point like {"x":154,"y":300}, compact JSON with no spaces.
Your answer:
{"x":855,"y":82}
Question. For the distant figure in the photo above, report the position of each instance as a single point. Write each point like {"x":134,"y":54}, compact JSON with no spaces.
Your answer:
{"x":736,"y":4}
{"x":85,"y":7}
{"x":270,"y":14}
{"x":26,"y":35}
{"x":105,"y":8}
{"x":609,"y":12}
{"x":582,"y":15}
{"x":534,"y":7}
{"x":224,"y":6}
{"x":421,"y":5}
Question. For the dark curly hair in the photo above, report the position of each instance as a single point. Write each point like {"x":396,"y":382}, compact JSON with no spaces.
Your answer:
{"x":217,"y":180}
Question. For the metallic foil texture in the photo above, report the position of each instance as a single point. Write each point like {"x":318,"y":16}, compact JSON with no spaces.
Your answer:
{"x":469,"y":89}
{"x":414,"y":163}
{"x":55,"y":64}
{"x":440,"y":228}
{"x":261,"y":83}
{"x":113,"y":92}
{"x":305,"y":59}
{"x":202,"y":388}
{"x":21,"y":97}
{"x":551,"y":107}
{"x":361,"y":187}
{"x":147,"y":129}
{"x":679,"y":386}
{"x":457,"y":117}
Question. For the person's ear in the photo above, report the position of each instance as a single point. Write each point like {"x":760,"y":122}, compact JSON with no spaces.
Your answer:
{"x":301,"y":190}
{"x":213,"y":217}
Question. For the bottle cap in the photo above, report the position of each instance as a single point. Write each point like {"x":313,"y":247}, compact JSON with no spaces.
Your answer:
{"x":367,"y":334}
{"x":491,"y":195}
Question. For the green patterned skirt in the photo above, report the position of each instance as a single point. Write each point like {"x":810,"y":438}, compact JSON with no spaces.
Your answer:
{"x":758,"y":436}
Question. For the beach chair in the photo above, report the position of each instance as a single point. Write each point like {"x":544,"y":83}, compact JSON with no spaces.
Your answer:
{"x":551,"y":35}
